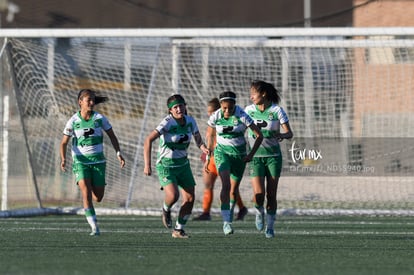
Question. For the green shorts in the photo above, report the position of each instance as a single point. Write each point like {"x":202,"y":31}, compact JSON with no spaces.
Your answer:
{"x":266,"y":166}
{"x":232,"y":163}
{"x":182,"y":175}
{"x":95,"y":172}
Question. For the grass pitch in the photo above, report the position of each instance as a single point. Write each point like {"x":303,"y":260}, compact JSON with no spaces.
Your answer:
{"x":140,"y":245}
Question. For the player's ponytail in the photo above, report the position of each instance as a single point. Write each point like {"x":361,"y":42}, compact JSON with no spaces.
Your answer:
{"x":98,"y":98}
{"x":263,"y":87}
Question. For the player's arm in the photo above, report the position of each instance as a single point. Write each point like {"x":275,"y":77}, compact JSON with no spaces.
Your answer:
{"x":147,"y":151}
{"x":115,"y":144}
{"x":63,"y":147}
{"x":287,"y":132}
{"x":210,"y":141}
{"x":257,"y":141}
{"x":200,"y":143}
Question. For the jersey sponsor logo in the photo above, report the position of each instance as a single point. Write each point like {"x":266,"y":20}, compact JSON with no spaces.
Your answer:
{"x":227,"y":129}
{"x":88,"y":132}
{"x":183,"y":138}
{"x":261,"y":123}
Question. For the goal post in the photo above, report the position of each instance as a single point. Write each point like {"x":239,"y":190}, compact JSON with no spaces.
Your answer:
{"x":347,"y":92}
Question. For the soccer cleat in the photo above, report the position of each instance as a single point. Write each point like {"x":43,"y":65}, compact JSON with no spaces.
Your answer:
{"x":95,"y":232}
{"x":242,"y":213}
{"x":205,"y":216}
{"x":270,"y":233}
{"x":179,"y":234}
{"x":259,"y":221}
{"x":166,"y":218}
{"x":227,"y":228}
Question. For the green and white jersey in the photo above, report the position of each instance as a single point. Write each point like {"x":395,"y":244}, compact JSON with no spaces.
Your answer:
{"x":87,"y":137}
{"x":174,"y":141}
{"x":230,"y":132}
{"x":269,"y":122}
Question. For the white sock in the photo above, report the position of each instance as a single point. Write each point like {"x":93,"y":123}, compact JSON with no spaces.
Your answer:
{"x":270,"y":221}
{"x":226,"y":215}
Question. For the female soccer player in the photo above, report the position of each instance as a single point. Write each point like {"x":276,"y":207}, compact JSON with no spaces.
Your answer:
{"x":226,"y":128}
{"x":174,"y":172}
{"x":267,"y":162}
{"x":86,"y":127}
{"x":210,"y":178}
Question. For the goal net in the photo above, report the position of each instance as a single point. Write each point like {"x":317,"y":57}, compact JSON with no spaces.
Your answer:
{"x":348,"y":94}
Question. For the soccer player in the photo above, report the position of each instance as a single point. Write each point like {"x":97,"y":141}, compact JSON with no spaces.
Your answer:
{"x":210,"y":178}
{"x":267,"y":162}
{"x":86,"y":129}
{"x":173,"y":168}
{"x":226,"y":128}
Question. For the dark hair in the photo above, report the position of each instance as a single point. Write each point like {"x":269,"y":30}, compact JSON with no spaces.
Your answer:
{"x":98,"y":98}
{"x":176,"y":99}
{"x":227,"y":96}
{"x":215,"y":103}
{"x":264,"y":87}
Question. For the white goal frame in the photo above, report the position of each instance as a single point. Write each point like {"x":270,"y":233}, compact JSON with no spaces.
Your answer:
{"x":241,"y":37}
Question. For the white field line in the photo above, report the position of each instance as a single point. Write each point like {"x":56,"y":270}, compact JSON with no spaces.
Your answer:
{"x":157,"y":211}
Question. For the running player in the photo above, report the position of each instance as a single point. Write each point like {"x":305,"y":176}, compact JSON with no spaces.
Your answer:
{"x":86,"y":127}
{"x":226,"y":128}
{"x":211,"y":177}
{"x":173,"y":168}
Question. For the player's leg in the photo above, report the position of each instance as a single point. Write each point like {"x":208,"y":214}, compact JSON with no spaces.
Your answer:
{"x":274,"y":168}
{"x":225,"y":201}
{"x":234,"y":194}
{"x":257,"y":173}
{"x":271,"y":207}
{"x":168,"y":181}
{"x":83,"y":174}
{"x":242,"y":208}
{"x":85,"y":187}
{"x":171,"y":195}
{"x":187,"y":197}
{"x":186,"y":183}
{"x":208,"y":195}
{"x":98,"y":181}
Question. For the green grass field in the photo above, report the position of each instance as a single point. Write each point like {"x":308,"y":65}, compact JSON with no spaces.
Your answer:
{"x":140,"y":245}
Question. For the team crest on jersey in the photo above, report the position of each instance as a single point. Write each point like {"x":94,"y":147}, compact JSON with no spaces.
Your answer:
{"x":271,"y":116}
{"x":235,"y":122}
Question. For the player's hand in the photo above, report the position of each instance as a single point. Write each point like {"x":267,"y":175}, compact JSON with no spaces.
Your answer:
{"x":206,"y":166}
{"x":63,"y":166}
{"x":121,"y":161}
{"x":147,"y":170}
{"x":203,"y":157}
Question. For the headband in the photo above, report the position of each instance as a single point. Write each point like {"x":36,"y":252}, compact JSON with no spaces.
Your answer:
{"x":175,"y":102}
{"x":227,"y":98}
